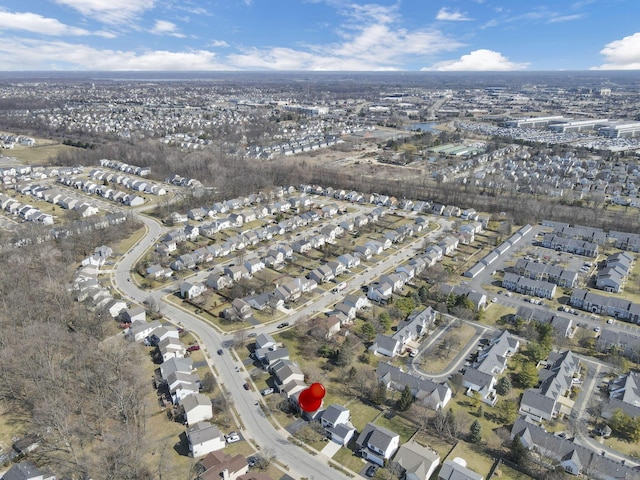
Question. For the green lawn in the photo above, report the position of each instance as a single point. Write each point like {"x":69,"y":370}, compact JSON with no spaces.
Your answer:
{"x":348,"y":459}
{"x":361,"y":414}
{"x":476,"y":459}
{"x":398,"y":424}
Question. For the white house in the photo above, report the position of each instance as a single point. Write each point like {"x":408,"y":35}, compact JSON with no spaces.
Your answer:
{"x":197,"y":408}
{"x":204,"y":438}
{"x":377,"y":444}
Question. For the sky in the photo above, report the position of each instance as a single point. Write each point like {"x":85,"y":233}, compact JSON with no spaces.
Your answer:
{"x":319,"y":35}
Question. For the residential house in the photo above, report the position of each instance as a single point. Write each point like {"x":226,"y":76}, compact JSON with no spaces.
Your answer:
{"x":416,"y":461}
{"x":197,"y":408}
{"x":457,"y":469}
{"x":377,"y":444}
{"x":551,"y":398}
{"x":175,"y":365}
{"x":26,"y":471}
{"x":221,"y":466}
{"x":219,"y":282}
{"x":190,"y":290}
{"x":139,"y":330}
{"x":170,"y":347}
{"x":204,"y":438}
{"x":429,"y":393}
{"x":571,"y":457}
{"x":337,"y":425}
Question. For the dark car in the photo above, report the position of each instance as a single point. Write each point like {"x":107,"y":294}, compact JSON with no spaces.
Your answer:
{"x":246,"y":386}
{"x":220,"y":351}
{"x":283,"y":324}
{"x":193,"y":348}
{"x":371,"y":471}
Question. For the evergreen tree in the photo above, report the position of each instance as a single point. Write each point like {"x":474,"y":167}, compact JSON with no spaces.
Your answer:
{"x":519,"y":454}
{"x":405,"y":400}
{"x":475,"y":432}
{"x":528,"y":376}
{"x":503,"y":386}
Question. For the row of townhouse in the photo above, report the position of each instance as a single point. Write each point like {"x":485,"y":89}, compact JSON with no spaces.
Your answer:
{"x":527,"y":286}
{"x":491,"y":360}
{"x":605,"y":305}
{"x":570,"y":245}
{"x":546,"y":272}
{"x":87,"y":288}
{"x":497,"y":252}
{"x":551,"y":397}
{"x":561,"y":324}
{"x":408,"y":333}
{"x":26,"y":212}
{"x":137,"y":185}
{"x":624,"y":395}
{"x":103,"y":191}
{"x":569,"y":456}
{"x":614,"y":275}
{"x":125,"y":167}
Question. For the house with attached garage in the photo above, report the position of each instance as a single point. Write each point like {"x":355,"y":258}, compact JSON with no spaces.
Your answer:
{"x":190,"y":290}
{"x":171,"y":347}
{"x":204,"y":438}
{"x":337,"y":425}
{"x":140,"y":330}
{"x":416,"y":461}
{"x":197,"y":408}
{"x":181,"y":385}
{"x":427,"y":392}
{"x":457,"y":469}
{"x":377,"y":444}
{"x":173,"y":365}
{"x":220,"y":466}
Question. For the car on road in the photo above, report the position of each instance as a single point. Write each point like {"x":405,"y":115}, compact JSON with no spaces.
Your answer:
{"x":252,"y":335}
{"x":283,"y":324}
{"x":371,"y":471}
{"x":220,"y":351}
{"x":193,"y":348}
{"x":246,"y":386}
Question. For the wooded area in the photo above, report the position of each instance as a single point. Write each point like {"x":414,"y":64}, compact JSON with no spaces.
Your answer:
{"x":74,"y":387}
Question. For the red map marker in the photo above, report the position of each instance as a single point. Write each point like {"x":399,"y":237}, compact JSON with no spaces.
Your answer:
{"x":310,"y":398}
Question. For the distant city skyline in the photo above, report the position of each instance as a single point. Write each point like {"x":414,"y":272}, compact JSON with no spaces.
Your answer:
{"x":319,"y":35}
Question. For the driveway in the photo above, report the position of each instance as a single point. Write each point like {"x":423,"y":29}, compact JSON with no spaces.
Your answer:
{"x":330,"y":449}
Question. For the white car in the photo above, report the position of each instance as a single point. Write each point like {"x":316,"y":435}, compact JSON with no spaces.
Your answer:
{"x":232,"y":437}
{"x":494,"y":299}
{"x":610,"y":321}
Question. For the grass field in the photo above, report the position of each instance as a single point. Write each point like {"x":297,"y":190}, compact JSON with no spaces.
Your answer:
{"x":436,"y":360}
{"x":476,"y":459}
{"x":41,"y":153}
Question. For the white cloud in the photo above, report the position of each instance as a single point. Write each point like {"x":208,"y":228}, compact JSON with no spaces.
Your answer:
{"x":566,"y":18}
{"x":23,"y":54}
{"x":109,"y":11}
{"x":371,"y":39}
{"x":162,"y":27}
{"x":451,"y":15}
{"x":32,"y":22}
{"x":622,"y":54}
{"x":218,"y":43}
{"x":478,"y":61}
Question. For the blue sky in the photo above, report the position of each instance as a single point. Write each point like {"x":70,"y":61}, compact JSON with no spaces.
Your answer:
{"x":322,"y":35}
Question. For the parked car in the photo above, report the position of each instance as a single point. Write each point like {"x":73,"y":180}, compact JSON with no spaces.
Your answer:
{"x":371,"y":471}
{"x":267,"y":391}
{"x":246,"y":386}
{"x":610,"y":321}
{"x":193,"y":348}
{"x":232,"y":437}
{"x":596,"y":329}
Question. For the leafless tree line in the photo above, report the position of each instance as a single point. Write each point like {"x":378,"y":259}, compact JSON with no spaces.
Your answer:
{"x":80,"y":392}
